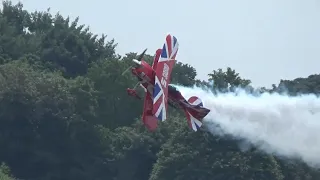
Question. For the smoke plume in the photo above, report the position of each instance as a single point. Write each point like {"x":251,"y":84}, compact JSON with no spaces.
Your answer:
{"x":278,"y":124}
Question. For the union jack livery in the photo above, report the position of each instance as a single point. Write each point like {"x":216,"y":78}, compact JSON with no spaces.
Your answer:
{"x":155,"y":80}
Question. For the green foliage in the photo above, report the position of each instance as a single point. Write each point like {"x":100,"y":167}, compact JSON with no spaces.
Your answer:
{"x":5,"y":172}
{"x":183,"y":74}
{"x":65,"y":114}
{"x":228,"y":80}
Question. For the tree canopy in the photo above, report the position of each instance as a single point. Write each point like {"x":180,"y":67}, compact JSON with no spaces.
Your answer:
{"x":65,"y":114}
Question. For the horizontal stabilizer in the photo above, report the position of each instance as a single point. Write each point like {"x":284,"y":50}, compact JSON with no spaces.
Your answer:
{"x":195,"y":113}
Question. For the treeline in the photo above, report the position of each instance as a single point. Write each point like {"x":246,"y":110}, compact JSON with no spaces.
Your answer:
{"x":65,"y":114}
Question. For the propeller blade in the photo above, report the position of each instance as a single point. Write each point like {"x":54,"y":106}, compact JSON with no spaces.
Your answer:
{"x":141,"y":55}
{"x":126,"y":70}
{"x":136,"y":61}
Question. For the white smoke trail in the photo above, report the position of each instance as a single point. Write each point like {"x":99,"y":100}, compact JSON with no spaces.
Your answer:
{"x":283,"y":125}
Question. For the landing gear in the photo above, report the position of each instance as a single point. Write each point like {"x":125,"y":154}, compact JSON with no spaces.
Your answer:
{"x":133,"y":92}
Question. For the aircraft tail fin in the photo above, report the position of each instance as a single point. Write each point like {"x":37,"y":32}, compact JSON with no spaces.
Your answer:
{"x":195,"y":112}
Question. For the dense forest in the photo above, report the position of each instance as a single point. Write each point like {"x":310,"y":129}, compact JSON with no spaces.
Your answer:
{"x":65,"y":114}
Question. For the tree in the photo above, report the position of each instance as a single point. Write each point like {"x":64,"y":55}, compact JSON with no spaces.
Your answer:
{"x":184,"y":156}
{"x":183,"y":74}
{"x":228,"y":80}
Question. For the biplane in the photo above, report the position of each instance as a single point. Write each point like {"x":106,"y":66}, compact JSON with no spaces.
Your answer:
{"x":159,"y":93}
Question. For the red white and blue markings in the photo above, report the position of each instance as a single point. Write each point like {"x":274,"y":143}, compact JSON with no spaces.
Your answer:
{"x":162,"y":78}
{"x":194,"y":123}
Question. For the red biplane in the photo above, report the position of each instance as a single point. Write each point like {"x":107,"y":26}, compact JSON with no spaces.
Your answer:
{"x":155,"y":81}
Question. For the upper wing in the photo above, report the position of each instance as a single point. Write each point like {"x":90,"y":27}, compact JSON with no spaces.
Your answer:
{"x":162,"y":79}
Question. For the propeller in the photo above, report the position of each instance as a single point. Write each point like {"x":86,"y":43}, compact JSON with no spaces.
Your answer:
{"x":136,"y":61}
{"x":142,"y":54}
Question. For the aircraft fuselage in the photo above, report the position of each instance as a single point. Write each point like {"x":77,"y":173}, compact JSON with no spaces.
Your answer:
{"x":146,"y":77}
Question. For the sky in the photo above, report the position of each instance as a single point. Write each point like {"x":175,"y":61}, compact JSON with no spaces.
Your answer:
{"x":263,"y":40}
